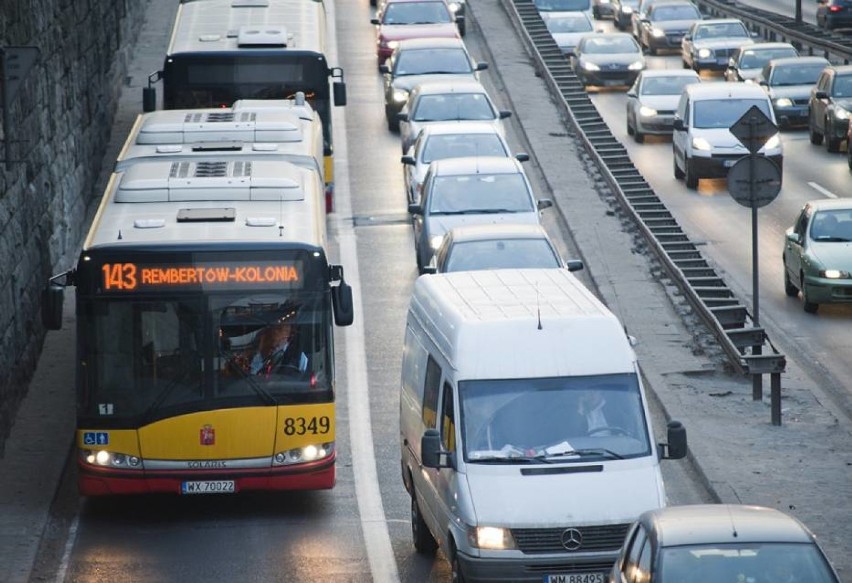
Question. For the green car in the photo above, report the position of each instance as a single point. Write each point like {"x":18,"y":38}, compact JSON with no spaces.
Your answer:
{"x":818,"y":254}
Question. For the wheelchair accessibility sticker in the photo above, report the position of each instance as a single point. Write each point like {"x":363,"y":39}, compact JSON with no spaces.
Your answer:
{"x":96,"y":438}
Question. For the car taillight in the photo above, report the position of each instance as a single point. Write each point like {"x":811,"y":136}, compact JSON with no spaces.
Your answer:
{"x":835,"y":8}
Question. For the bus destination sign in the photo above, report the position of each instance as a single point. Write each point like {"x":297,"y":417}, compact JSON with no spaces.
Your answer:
{"x":137,"y":277}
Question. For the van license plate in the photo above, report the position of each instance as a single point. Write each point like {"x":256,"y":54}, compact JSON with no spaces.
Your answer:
{"x":575,"y":578}
{"x":208,"y":487}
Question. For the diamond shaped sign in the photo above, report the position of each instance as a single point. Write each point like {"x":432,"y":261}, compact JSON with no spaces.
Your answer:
{"x":754,"y":129}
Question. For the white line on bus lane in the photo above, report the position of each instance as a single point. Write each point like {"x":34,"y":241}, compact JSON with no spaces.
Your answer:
{"x":821,"y":190}
{"x":370,"y":508}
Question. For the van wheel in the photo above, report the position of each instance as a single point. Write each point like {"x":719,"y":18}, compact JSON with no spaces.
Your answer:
{"x":455,"y":567}
{"x":424,"y":542}
{"x":678,"y":173}
{"x":689,"y":175}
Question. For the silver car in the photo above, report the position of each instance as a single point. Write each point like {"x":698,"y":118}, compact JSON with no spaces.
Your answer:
{"x":567,"y":28}
{"x":710,"y":44}
{"x":446,"y":101}
{"x":748,"y":61}
{"x":653,"y":99}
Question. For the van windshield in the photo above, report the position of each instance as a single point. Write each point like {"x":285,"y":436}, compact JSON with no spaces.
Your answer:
{"x":564,"y":419}
{"x":723,"y":113}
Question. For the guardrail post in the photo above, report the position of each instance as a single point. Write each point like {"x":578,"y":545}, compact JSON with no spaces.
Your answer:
{"x":775,"y":395}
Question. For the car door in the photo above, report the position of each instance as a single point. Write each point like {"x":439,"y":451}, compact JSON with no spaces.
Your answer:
{"x":686,"y":46}
{"x":425,"y":483}
{"x":445,"y":480}
{"x":793,"y":250}
{"x":819,"y":105}
{"x":679,"y":137}
{"x":627,"y":569}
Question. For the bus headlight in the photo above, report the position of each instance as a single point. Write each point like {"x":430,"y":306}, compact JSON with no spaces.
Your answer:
{"x":400,"y":95}
{"x":104,"y":458}
{"x":300,"y":455}
{"x":491,"y":538}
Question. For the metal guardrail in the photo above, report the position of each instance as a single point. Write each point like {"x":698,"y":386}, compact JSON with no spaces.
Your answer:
{"x":747,"y":346}
{"x":808,"y":38}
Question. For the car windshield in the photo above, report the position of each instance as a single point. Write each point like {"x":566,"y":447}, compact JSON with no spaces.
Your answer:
{"x":501,"y":254}
{"x":563,"y":5}
{"x":439,"y":147}
{"x":566,"y":419}
{"x":610,"y":45}
{"x":479,"y":193}
{"x":757,"y":58}
{"x":776,"y":562}
{"x":723,"y":113}
{"x":723,"y":30}
{"x":572,"y":23}
{"x":842,"y":86}
{"x":453,"y":106}
{"x":663,"y":13}
{"x":832,"y":226}
{"x":666,"y":85}
{"x":416,"y":13}
{"x":794,"y":74}
{"x":425,"y":61}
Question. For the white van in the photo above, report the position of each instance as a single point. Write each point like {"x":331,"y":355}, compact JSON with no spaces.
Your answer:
{"x":526,"y":443}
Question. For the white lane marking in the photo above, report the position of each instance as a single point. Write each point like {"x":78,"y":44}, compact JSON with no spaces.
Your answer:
{"x":372,"y":514}
{"x":69,"y":547}
{"x":821,"y":190}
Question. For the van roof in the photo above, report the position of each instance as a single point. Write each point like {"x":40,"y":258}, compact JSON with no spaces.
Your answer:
{"x":486,"y":324}
{"x":699,"y":91}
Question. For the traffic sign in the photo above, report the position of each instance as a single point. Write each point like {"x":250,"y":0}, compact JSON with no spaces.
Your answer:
{"x":754,"y":181}
{"x":754,"y":129}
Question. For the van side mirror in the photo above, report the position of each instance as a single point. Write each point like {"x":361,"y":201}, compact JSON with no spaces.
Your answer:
{"x":821,"y":95}
{"x":408,"y":160}
{"x":481,"y":66}
{"x":415,"y":209}
{"x":544,"y":203}
{"x":342,"y":304}
{"x":678,"y":124}
{"x":52,"y":299}
{"x":574,"y":264}
{"x":504,"y":114}
{"x":402,"y":116}
{"x":675,"y":449}
{"x":374,"y":21}
{"x":522,"y":157}
{"x":431,"y":453}
{"x":383,"y":68}
{"x":794,"y":237}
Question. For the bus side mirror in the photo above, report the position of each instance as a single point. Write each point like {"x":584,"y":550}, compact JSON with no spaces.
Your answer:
{"x":52,"y":299}
{"x":675,"y":449}
{"x":149,"y":94}
{"x":338,"y":87}
{"x":341,"y":301}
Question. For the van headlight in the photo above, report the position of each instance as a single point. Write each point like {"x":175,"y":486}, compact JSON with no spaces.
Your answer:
{"x":704,"y":53}
{"x":772,"y":143}
{"x":435,"y":242}
{"x":701,"y":144}
{"x":491,"y":538}
{"x":658,"y":32}
{"x":400,"y":95}
{"x":784,"y":102}
{"x":841,"y":113}
{"x":646,"y":111}
{"x":454,"y":7}
{"x":589,"y":66}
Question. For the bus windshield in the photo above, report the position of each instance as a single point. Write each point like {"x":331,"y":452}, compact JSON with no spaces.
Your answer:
{"x":152,"y":359}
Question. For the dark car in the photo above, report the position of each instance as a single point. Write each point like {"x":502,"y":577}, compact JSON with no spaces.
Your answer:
{"x":830,"y":106}
{"x":748,"y":61}
{"x":710,"y":44}
{"x":601,"y":8}
{"x":720,"y":543}
{"x":622,"y":13}
{"x":607,"y":59}
{"x":788,"y":82}
{"x":665,"y":24}
{"x":403,"y":19}
{"x":417,"y":61}
{"x":831,"y":14}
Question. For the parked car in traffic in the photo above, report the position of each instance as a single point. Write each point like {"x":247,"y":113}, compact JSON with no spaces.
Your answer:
{"x":450,"y":140}
{"x":709,"y":44}
{"x":623,"y":13}
{"x":831,"y":14}
{"x":472,"y":190}
{"x":641,"y":11}
{"x":398,"y":20}
{"x":818,"y":254}
{"x":608,"y":59}
{"x":748,"y":61}
{"x":720,"y":542}
{"x":565,"y":6}
{"x":788,"y":82}
{"x":497,"y":246}
{"x":601,"y":9}
{"x":830,"y":106}
{"x":665,"y":24}
{"x":653,"y":99}
{"x":567,"y":28}
{"x":447,"y":101}
{"x":702,"y":143}
{"x":421,"y":60}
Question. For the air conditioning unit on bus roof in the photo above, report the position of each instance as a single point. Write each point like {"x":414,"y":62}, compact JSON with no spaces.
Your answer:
{"x":268,"y":36}
{"x":207,"y":125}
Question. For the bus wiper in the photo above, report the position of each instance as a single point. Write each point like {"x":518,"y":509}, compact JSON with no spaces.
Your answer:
{"x":164,"y":394}
{"x":252,"y":383}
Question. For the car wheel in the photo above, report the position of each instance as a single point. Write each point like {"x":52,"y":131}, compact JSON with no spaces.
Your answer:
{"x":807,"y":304}
{"x":678,"y":173}
{"x":832,"y":144}
{"x":685,"y":64}
{"x":455,"y":567}
{"x":424,"y":542}
{"x":639,"y":137}
{"x":789,"y":288}
{"x":630,"y":130}
{"x":816,"y":136}
{"x":689,"y":175}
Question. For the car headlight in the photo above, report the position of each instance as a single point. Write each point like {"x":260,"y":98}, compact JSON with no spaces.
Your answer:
{"x":841,"y":113}
{"x":784,"y":102}
{"x":772,"y":142}
{"x":704,"y":53}
{"x":636,"y":66}
{"x":454,"y":7}
{"x":491,"y":538}
{"x":627,"y":9}
{"x":110,"y":459}
{"x":301,"y":455}
{"x":590,"y":66}
{"x":834,"y":274}
{"x":435,"y":242}
{"x":658,"y":32}
{"x":400,"y":95}
{"x":388,"y":44}
{"x":646,"y":111}
{"x":701,"y":144}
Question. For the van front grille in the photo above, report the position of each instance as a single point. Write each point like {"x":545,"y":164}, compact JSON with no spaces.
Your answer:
{"x":550,"y":540}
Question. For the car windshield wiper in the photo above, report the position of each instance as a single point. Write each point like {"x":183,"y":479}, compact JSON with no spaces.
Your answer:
{"x":475,"y":212}
{"x":512,"y":459}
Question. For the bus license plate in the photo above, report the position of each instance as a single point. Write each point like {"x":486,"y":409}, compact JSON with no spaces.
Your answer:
{"x":208,"y":487}
{"x":575,"y":578}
